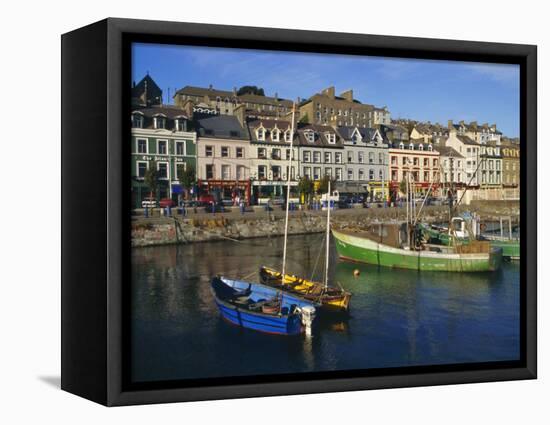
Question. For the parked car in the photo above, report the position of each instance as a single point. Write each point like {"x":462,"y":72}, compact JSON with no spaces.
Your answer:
{"x":149,"y":203}
{"x":205,"y":199}
{"x":167,"y":202}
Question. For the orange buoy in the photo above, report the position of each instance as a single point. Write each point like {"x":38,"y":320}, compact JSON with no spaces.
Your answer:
{"x":356,"y":273}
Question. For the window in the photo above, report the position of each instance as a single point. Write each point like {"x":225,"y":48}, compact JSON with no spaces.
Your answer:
{"x":415,"y":161}
{"x":350,"y":156}
{"x":160,"y":122}
{"x":226,"y":172}
{"x":287,"y":136}
{"x":426,"y":176}
{"x":225,"y":151}
{"x":309,"y":135}
{"x":307,"y":172}
{"x":260,"y":133}
{"x":338,"y":157}
{"x":371,"y":174}
{"x":162,"y":147}
{"x":209,"y":151}
{"x":393,"y":160}
{"x":328,"y":172}
{"x":427,"y":162}
{"x":276,"y":170}
{"x":276,"y":154}
{"x":331,"y":138}
{"x":137,"y":121}
{"x":307,"y":156}
{"x":240,"y":172}
{"x":403,"y":160}
{"x":209,"y":171}
{"x":435,"y":162}
{"x":262,"y":171}
{"x":262,"y":153}
{"x":371,"y":157}
{"x":361,"y":157}
{"x":350,"y":174}
{"x":287,"y":153}
{"x":380,"y":175}
{"x":401,"y":145}
{"x":316,"y":173}
{"x":361,"y":174}
{"x":328,"y":157}
{"x":317,"y":157}
{"x":181,"y":125}
{"x":275,"y":134}
{"x":162,"y":168}
{"x":141,"y":145}
{"x":141,"y":169}
{"x":380,"y":158}
{"x":180,"y":147}
{"x":239,"y":152}
{"x":394,"y":175}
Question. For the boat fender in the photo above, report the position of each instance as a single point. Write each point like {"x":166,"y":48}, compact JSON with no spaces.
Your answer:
{"x":307,"y":315}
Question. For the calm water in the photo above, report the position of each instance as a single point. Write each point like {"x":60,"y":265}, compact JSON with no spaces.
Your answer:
{"x":398,"y":318}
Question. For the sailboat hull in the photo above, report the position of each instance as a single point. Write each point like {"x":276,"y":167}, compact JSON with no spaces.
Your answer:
{"x":362,"y":249}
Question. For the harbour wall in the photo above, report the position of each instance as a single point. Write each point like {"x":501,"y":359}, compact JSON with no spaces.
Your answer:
{"x":234,"y":226}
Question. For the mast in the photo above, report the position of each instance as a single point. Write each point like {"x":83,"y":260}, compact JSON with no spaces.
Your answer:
{"x":328,"y":235}
{"x":288,"y":172}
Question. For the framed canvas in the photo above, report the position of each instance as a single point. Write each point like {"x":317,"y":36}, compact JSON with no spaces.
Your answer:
{"x":252,"y":212}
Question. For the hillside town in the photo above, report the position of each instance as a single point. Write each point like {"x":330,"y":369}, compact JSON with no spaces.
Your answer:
{"x":231,"y":145}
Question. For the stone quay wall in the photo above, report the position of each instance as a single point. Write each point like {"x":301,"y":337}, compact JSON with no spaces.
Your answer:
{"x":234,"y":226}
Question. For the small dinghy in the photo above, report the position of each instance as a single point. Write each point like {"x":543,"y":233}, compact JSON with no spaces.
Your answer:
{"x":246,"y":306}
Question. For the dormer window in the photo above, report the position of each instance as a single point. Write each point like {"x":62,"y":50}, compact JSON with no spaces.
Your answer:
{"x":181,"y":124}
{"x":260,"y":133}
{"x":401,"y":145}
{"x":275,"y":134}
{"x":287,"y":136}
{"x":137,"y":120}
{"x":331,"y":138}
{"x":411,"y":147}
{"x":160,"y":122}
{"x":309,"y":135}
{"x":430,"y":148}
{"x":420,"y":147}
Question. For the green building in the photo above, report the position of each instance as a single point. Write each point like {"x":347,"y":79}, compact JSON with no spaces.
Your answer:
{"x":161,"y":138}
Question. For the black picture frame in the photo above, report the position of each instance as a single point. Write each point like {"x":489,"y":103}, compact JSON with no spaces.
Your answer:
{"x":95,"y":221}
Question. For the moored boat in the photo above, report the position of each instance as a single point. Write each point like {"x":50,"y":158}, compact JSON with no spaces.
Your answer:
{"x":245,"y":308}
{"x":386,"y":245}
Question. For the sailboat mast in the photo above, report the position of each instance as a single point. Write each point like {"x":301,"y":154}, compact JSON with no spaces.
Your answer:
{"x":288,"y":172}
{"x":328,"y":235}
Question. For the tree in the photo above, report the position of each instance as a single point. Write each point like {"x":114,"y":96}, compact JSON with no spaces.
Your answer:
{"x":151,"y":178}
{"x":251,"y":90}
{"x":186,"y":178}
{"x":304,"y":119}
{"x":305,"y":188}
{"x":323,"y":184}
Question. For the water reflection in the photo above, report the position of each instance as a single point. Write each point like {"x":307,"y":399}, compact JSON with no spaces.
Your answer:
{"x":398,"y":318}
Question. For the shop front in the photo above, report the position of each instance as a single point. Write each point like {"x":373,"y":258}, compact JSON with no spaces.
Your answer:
{"x":226,"y":191}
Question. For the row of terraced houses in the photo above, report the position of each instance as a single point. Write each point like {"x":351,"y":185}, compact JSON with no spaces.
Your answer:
{"x":240,"y":144}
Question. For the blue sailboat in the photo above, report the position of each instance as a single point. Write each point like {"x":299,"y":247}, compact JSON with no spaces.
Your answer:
{"x":257,"y":307}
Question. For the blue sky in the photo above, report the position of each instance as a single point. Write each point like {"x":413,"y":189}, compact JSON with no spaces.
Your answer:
{"x":418,"y":89}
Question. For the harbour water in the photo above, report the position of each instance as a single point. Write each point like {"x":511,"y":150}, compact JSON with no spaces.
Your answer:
{"x":397,"y":318}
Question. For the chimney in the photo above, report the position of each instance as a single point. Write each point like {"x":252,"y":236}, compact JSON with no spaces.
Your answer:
{"x":450,"y":124}
{"x":330,"y":92}
{"x":239,"y":112}
{"x":348,"y":95}
{"x":474,"y":124}
{"x":276,"y":96}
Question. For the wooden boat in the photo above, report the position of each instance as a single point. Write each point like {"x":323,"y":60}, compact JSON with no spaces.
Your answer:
{"x":465,"y":229}
{"x":245,"y":308}
{"x":387,"y":245}
{"x":330,"y":298}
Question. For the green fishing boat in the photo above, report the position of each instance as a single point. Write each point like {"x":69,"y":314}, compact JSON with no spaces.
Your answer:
{"x":387,"y":245}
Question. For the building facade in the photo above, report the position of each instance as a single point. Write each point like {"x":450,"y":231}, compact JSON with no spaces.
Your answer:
{"x":160,"y":139}
{"x":510,"y":163}
{"x":269,"y":158}
{"x":452,"y":166}
{"x":366,"y":160}
{"x":326,"y":108}
{"x":471,"y":152}
{"x":223,"y":157}
{"x":414,"y":161}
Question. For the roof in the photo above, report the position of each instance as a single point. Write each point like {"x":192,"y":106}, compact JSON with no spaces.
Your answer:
{"x":170,"y":112}
{"x":267,"y":100}
{"x":466,"y":140}
{"x":367,"y":134}
{"x":268,"y":125}
{"x":320,"y":139}
{"x":204,"y":91}
{"x":221,"y":126}
{"x":447,"y":151}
